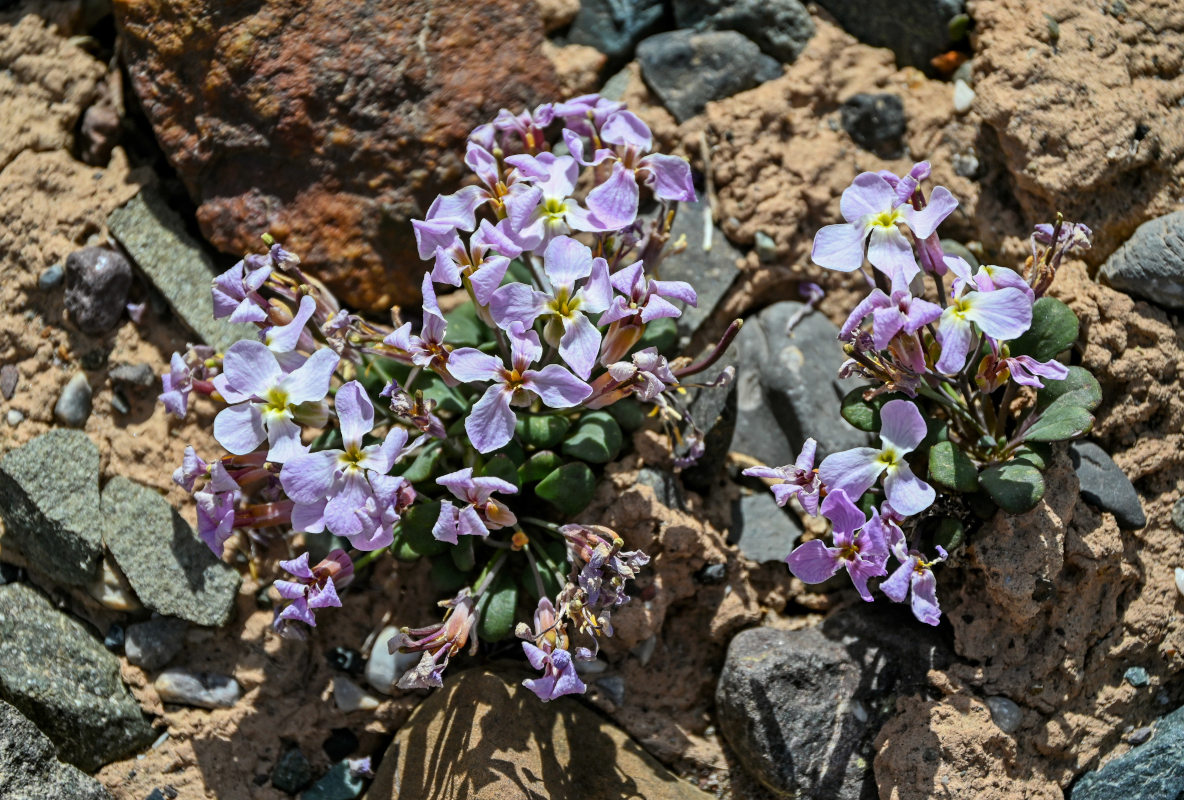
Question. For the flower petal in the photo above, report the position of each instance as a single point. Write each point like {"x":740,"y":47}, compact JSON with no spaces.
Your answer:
{"x":557,"y":387}
{"x":250,"y":369}
{"x":868,"y":194}
{"x":307,"y":478}
{"x":890,"y":252}
{"x":813,"y":562}
{"x":924,"y":222}
{"x":310,"y":382}
{"x":490,"y":424}
{"x":839,"y":247}
{"x":902,"y":429}
{"x":580,"y":344}
{"x":896,"y":587}
{"x":468,"y":364}
{"x":240,"y":428}
{"x":1002,"y":314}
{"x":907,"y":493}
{"x":355,"y":413}
{"x":613,"y":204}
{"x":854,"y":471}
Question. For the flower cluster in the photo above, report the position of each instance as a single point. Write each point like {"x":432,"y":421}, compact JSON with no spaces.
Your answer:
{"x":431,"y":439}
{"x":964,"y":387}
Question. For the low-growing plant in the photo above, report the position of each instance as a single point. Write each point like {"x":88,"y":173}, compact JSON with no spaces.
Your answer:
{"x":963,"y":387}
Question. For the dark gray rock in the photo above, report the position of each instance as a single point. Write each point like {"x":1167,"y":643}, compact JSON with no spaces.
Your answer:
{"x":51,"y":277}
{"x":198,"y":689}
{"x":1104,"y":484}
{"x":292,"y":772}
{"x":155,"y":642}
{"x":687,"y":70}
{"x":757,"y":433}
{"x":712,"y":272}
{"x":62,"y":678}
{"x":1005,"y":713}
{"x":1150,"y":771}
{"x":74,"y":403}
{"x":665,"y":485}
{"x":339,"y":783}
{"x":169,"y":567}
{"x":614,"y":27}
{"x":9,"y":376}
{"x":780,"y":28}
{"x":801,"y":709}
{"x":915,"y":30}
{"x":155,"y":238}
{"x":764,"y":531}
{"x":97,"y":283}
{"x":49,"y":498}
{"x":1150,"y":264}
{"x":875,"y":121}
{"x":713,"y":410}
{"x":137,"y":376}
{"x":29,"y":766}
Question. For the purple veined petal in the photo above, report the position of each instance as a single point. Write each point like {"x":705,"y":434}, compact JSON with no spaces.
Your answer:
{"x":921,"y":313}
{"x":809,"y":500}
{"x":886,"y":323}
{"x":875,"y":300}
{"x":839,"y":247}
{"x":445,"y":528}
{"x":566,"y":261}
{"x":669,"y":177}
{"x":924,"y":222}
{"x":521,"y":205}
{"x":844,"y":516}
{"x":445,"y":269}
{"x":902,"y":428}
{"x":351,"y":496}
{"x":575,"y":145}
{"x":568,"y":680}
{"x":486,"y":486}
{"x":458,"y":209}
{"x":960,"y":267}
{"x":990,"y":277}
{"x":381,"y":458}
{"x":525,"y":348}
{"x":310,"y":382}
{"x":496,"y":238}
{"x":283,"y":439}
{"x":889,"y":251}
{"x":490,"y":424}
{"x":561,"y":176}
{"x":1002,"y":314}
{"x":468,"y":365}
{"x":324,"y":598}
{"x":290,"y":590}
{"x":1025,"y":369}
{"x":772,"y":473}
{"x":868,"y":194}
{"x":656,"y":308}
{"x":433,"y":235}
{"x":283,"y":338}
{"x":783,"y":491}
{"x":805,"y":460}
{"x":460,"y":483}
{"x":557,"y":387}
{"x":618,"y":309}
{"x":299,"y":568}
{"x":249,"y":370}
{"x":853,"y":471}
{"x":861,"y":572}
{"x":227,"y":291}
{"x":481,"y":162}
{"x":924,"y":605}
{"x":675,"y":290}
{"x":428,"y":292}
{"x":955,"y":335}
{"x":375,"y":535}
{"x":516,"y":302}
{"x":626,"y":129}
{"x":248,"y":311}
{"x":308,"y":478}
{"x":309,"y":517}
{"x":613,"y":204}
{"x":299,"y":611}
{"x":629,"y":280}
{"x":536,"y":657}
{"x":597,"y":292}
{"x":813,"y":562}
{"x":355,"y":413}
{"x":529,"y":167}
{"x":468,"y":523}
{"x":240,"y":428}
{"x":896,"y":587}
{"x":907,"y":493}
{"x":873,"y":547}
{"x":580,"y":344}
{"x":488,"y":278}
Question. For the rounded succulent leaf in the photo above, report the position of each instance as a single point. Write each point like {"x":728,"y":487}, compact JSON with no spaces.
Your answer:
{"x":1015,"y":486}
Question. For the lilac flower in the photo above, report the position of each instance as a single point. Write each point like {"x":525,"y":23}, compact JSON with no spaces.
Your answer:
{"x":549,"y":653}
{"x":874,"y":212}
{"x":480,"y":514}
{"x":348,"y":491}
{"x":669,"y":177}
{"x":862,"y":552}
{"x":481,"y":265}
{"x":606,"y":568}
{"x":587,"y":113}
{"x":566,"y":263}
{"x":177,"y":384}
{"x":1001,"y":314}
{"x":891,"y":315}
{"x":640,"y":302}
{"x":915,"y":575}
{"x":990,"y":277}
{"x":886,"y":524}
{"x":192,"y":467}
{"x":314,"y":587}
{"x":269,"y":404}
{"x":855,"y":471}
{"x":646,"y":375}
{"x":800,"y":479}
{"x":438,"y":643}
{"x":415,"y":409}
{"x":236,"y":291}
{"x":216,"y":508}
{"x":1027,"y":371}
{"x":548,"y":209}
{"x":490,"y":424}
{"x":283,"y":338}
{"x":427,"y":349}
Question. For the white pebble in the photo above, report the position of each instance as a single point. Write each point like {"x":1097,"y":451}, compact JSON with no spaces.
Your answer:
{"x":1180,"y":580}
{"x":201,"y":689}
{"x":383,"y":668}
{"x":350,"y":697}
{"x":112,"y":589}
{"x":15,"y":417}
{"x":963,"y":96}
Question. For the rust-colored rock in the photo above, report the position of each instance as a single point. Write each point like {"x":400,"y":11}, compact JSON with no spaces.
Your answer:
{"x":328,"y":123}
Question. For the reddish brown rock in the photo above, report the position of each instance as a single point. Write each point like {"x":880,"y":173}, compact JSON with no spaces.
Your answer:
{"x":328,"y":123}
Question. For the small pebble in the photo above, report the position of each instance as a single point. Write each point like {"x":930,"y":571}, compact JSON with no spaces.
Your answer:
{"x":154,"y":643}
{"x":73,"y":406}
{"x":766,"y":248}
{"x":114,"y":640}
{"x":118,"y":403}
{"x":200,"y":689}
{"x":51,"y":278}
{"x":1178,"y":514}
{"x":383,"y":668}
{"x":1180,"y":580}
{"x":1140,"y":735}
{"x":292,"y":772}
{"x":1005,"y":713}
{"x":965,"y":165}
{"x":112,"y":590}
{"x":350,"y":697}
{"x":9,"y":375}
{"x":133,"y":375}
{"x":614,"y":687}
{"x":97,"y":283}
{"x":1137,"y":677}
{"x":965,"y":73}
{"x":14,"y":417}
{"x":593,"y":667}
{"x":645,"y":651}
{"x":339,"y":783}
{"x":963,"y":96}
{"x":156,"y":794}
{"x":712,"y":574}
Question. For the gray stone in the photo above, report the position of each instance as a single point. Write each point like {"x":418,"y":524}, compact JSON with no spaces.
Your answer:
{"x":1151,"y":771}
{"x":665,"y":486}
{"x":171,"y":570}
{"x":74,"y":403}
{"x":757,"y":433}
{"x":292,"y":772}
{"x":713,"y":410}
{"x":134,"y":375}
{"x":764,"y":531}
{"x":1178,"y":514}
{"x":1006,"y":715}
{"x":155,"y":238}
{"x":766,"y":248}
{"x":49,"y":498}
{"x":61,"y":677}
{"x":1104,"y":484}
{"x":339,"y":783}
{"x":613,"y":687}
{"x":712,"y":272}
{"x":97,"y":283}
{"x":915,"y":30}
{"x":155,"y":642}
{"x":1137,"y":677}
{"x":384,"y":668}
{"x":780,"y":28}
{"x":687,"y":70}
{"x":198,"y":689}
{"x":1150,"y":264}
{"x":14,"y":417}
{"x":9,"y":376}
{"x":51,"y":277}
{"x":29,"y":766}
{"x":874,"y":121}
{"x":801,"y":709}
{"x":614,"y":27}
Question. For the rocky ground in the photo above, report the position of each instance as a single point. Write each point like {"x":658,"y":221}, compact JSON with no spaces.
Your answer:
{"x":144,"y":146}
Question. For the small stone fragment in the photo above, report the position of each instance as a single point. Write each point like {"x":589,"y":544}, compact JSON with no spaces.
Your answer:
{"x":339,"y":783}
{"x":1137,"y":677}
{"x":1150,"y":264}
{"x":292,"y":772}
{"x":764,"y":531}
{"x":383,"y":668}
{"x":1104,"y":484}
{"x":1179,"y":574}
{"x":133,"y":375}
{"x":614,"y":687}
{"x":350,"y":697}
{"x":114,"y":639}
{"x":963,"y":96}
{"x":199,"y":689}
{"x":74,"y":404}
{"x":51,"y":277}
{"x":1005,"y":713}
{"x":614,"y":27}
{"x":9,"y":375}
{"x":97,"y":283}
{"x":766,"y":248}
{"x":1178,"y":514}
{"x":1140,"y":735}
{"x":112,"y":590}
{"x":154,"y":643}
{"x":14,"y":417}
{"x":712,"y":574}
{"x":874,"y":121}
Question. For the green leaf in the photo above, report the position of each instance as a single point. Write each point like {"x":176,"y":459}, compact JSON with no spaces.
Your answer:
{"x":542,"y":431}
{"x":446,"y":577}
{"x":517,"y":272}
{"x":539,"y":466}
{"x":425,"y":463}
{"x":497,"y":607}
{"x":597,"y":439}
{"x":462,"y":554}
{"x":1054,"y":328}
{"x":628,"y":413}
{"x":447,"y":397}
{"x":1079,"y":382}
{"x":865,"y":414}
{"x":414,"y":538}
{"x":951,"y":468}
{"x":1015,"y":486}
{"x":501,"y":466}
{"x":569,"y":488}
{"x":1038,"y":454}
{"x":1064,"y":419}
{"x":662,"y":333}
{"x":465,"y":329}
{"x":949,"y":534}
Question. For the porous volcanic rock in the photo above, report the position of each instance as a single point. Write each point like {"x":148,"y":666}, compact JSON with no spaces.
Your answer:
{"x":329,"y":124}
